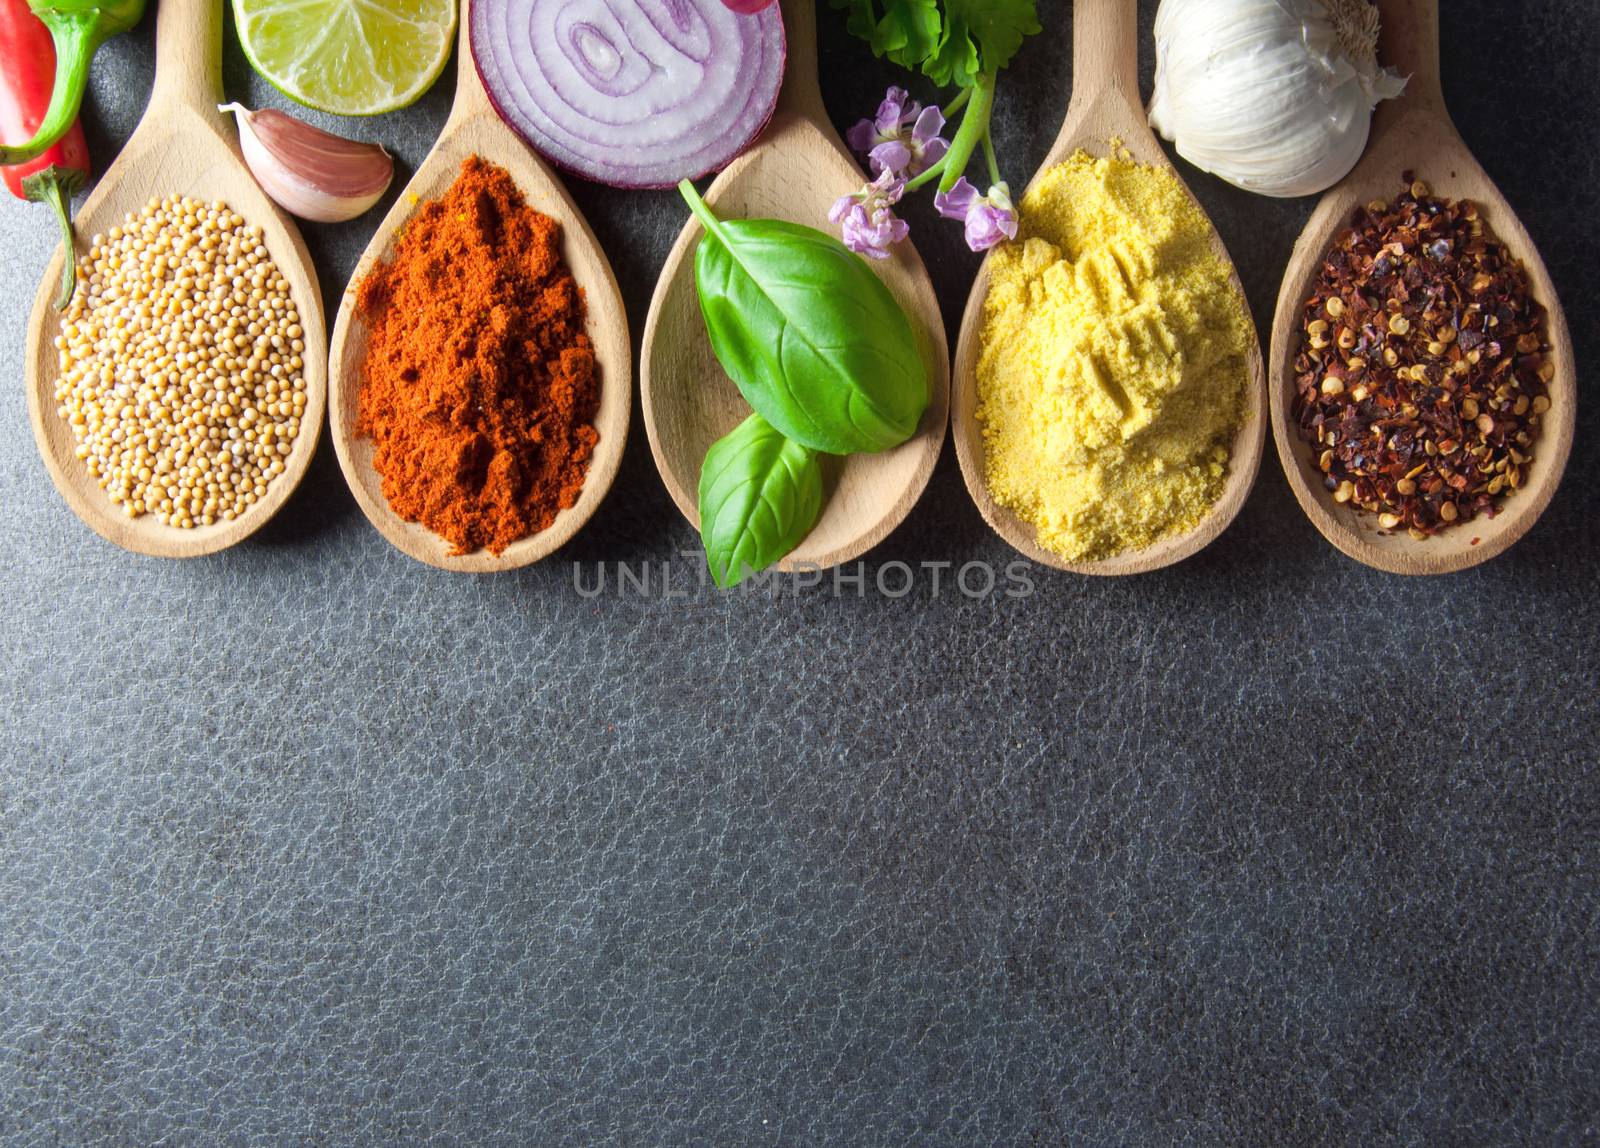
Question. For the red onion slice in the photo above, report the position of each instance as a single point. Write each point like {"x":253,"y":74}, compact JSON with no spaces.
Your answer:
{"x":632,"y":93}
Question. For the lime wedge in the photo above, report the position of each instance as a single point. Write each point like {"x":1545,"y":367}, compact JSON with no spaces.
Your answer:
{"x":349,"y":57}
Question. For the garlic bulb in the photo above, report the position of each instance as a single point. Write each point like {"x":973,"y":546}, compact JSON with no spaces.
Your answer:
{"x":1274,"y":96}
{"x":309,"y":172}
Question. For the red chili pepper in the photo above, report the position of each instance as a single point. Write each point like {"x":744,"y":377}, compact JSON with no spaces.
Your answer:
{"x":27,"y":77}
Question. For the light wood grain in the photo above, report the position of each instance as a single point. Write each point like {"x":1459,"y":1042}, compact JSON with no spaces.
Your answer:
{"x":183,"y":146}
{"x":1105,"y":105}
{"x":1415,"y":133}
{"x":475,"y":129}
{"x":796,"y":171}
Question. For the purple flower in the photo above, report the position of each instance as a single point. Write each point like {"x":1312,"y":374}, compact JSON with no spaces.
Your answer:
{"x":902,"y":138}
{"x":869,"y":224}
{"x":990,"y":219}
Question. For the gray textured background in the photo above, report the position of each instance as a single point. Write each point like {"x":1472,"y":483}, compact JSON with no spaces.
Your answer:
{"x":309,"y":844}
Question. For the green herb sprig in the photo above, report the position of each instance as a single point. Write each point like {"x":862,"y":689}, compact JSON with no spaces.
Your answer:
{"x":825,"y":356}
{"x":952,"y":42}
{"x":955,"y":43}
{"x":760,"y":495}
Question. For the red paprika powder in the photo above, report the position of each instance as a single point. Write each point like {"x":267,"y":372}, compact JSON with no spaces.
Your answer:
{"x":479,"y":389}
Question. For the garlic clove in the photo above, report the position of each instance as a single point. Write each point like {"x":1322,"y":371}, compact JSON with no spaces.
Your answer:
{"x":1275,"y":97}
{"x":308,"y":172}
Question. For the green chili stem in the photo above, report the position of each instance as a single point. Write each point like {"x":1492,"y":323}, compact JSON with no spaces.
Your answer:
{"x":54,"y":185}
{"x":974,"y":127}
{"x":76,"y":36}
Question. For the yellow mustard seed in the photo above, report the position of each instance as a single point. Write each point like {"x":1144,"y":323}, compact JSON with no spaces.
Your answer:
{"x":1112,"y":372}
{"x":152,"y":381}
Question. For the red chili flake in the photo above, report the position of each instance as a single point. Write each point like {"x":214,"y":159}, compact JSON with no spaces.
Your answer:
{"x":1423,"y":365}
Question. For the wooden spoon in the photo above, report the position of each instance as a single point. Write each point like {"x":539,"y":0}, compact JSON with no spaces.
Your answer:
{"x":183,"y":146}
{"x":1105,"y":105}
{"x":796,"y":171}
{"x":1415,"y":133}
{"x":474,"y":128}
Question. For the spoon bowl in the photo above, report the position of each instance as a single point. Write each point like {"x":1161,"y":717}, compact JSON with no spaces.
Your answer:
{"x":474,"y":128}
{"x":183,"y":146}
{"x":1414,"y":133}
{"x":796,"y":171}
{"x":1105,"y":106}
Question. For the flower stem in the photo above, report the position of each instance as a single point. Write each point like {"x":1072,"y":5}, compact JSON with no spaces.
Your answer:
{"x":956,"y":104}
{"x":988,"y":154}
{"x":974,"y":127}
{"x":927,"y":174}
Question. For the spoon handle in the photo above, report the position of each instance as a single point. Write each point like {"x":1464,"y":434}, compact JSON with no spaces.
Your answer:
{"x":1105,"y":50}
{"x":1409,"y":43}
{"x":801,"y":94}
{"x":471,"y":97}
{"x":188,"y":54}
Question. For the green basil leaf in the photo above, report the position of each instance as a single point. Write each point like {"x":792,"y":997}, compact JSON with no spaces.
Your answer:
{"x":760,"y":495}
{"x":813,"y":339}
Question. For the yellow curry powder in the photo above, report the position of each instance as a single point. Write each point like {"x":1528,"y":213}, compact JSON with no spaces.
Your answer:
{"x":1112,"y":373}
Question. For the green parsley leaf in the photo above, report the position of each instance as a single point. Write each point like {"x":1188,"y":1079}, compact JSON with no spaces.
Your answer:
{"x":907,"y":32}
{"x":949,"y":41}
{"x":979,"y":36}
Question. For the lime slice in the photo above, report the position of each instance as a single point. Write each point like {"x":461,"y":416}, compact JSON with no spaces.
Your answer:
{"x":349,"y":57}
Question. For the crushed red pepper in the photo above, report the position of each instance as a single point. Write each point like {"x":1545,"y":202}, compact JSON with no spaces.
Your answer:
{"x":1423,"y":367}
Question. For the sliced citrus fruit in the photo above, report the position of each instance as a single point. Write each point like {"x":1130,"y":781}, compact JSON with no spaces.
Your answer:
{"x":349,"y":57}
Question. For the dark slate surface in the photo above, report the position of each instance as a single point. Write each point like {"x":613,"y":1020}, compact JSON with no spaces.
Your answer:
{"x":309,"y":844}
